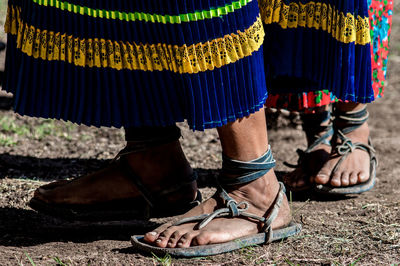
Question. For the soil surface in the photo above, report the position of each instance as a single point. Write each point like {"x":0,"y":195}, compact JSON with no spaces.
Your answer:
{"x":362,"y":230}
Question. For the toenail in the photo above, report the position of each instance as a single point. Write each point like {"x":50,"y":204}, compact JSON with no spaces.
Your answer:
{"x":158,"y":240}
{"x":152,"y":233}
{"x":180,"y":244}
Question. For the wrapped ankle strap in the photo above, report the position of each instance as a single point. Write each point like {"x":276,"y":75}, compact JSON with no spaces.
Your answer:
{"x":246,"y":172}
{"x":351,"y":120}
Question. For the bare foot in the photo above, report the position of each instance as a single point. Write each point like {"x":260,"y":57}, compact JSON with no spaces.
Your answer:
{"x":314,"y":159}
{"x":354,"y":169}
{"x":260,"y":194}
{"x":158,"y":167}
{"x":311,"y":165}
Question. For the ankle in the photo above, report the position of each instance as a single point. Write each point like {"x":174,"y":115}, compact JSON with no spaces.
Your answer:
{"x":360,"y":134}
{"x":162,"y":165}
{"x":261,"y":193}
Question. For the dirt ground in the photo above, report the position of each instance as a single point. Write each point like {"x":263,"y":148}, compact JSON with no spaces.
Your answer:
{"x":362,"y":230}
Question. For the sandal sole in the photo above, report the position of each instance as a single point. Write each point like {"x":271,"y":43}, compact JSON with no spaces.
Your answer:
{"x":214,"y":249}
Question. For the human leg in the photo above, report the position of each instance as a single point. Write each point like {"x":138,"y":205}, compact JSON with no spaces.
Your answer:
{"x":352,"y":161}
{"x":318,"y":129}
{"x":243,"y":140}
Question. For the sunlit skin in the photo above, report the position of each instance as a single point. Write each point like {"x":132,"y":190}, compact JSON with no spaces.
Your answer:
{"x":159,"y":168}
{"x":354,"y":169}
{"x":243,"y":140}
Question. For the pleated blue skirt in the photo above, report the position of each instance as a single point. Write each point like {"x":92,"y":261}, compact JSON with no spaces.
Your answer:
{"x":136,"y":63}
{"x":318,"y":45}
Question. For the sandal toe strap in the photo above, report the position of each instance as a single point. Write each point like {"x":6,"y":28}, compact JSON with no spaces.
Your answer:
{"x":234,"y":209}
{"x":151,"y":199}
{"x":347,"y":147}
{"x":324,"y":139}
{"x":313,"y":128}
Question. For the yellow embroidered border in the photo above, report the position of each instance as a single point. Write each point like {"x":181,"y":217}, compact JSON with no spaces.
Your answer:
{"x":343,"y":27}
{"x":195,"y":58}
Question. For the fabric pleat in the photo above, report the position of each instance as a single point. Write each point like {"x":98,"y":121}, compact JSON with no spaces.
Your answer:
{"x":314,"y":45}
{"x":136,"y":63}
{"x":380,"y":20}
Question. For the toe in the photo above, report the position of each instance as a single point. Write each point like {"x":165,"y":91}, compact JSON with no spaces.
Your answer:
{"x":39,"y":193}
{"x":336,"y":180}
{"x":322,"y":177}
{"x":363,"y":177}
{"x":44,"y":195}
{"x":186,"y":240}
{"x":175,"y":237}
{"x":152,"y":236}
{"x":202,"y":239}
{"x":353,"y":178}
{"x":164,"y":237}
{"x":345,"y":179}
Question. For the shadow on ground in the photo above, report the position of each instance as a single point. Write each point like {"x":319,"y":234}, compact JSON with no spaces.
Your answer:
{"x":46,"y":169}
{"x":22,"y":227}
{"x":6,"y":103}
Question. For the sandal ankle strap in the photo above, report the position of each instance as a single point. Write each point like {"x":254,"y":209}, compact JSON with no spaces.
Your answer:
{"x":352,"y":120}
{"x":246,"y":171}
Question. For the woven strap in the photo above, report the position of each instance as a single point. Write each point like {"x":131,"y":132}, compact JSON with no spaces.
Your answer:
{"x":245,"y":171}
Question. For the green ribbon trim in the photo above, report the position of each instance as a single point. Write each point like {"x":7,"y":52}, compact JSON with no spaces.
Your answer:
{"x":140,"y":16}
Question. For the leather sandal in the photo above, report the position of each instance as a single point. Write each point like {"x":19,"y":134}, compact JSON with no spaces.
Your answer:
{"x":352,"y":120}
{"x":148,"y":205}
{"x":248,"y":172}
{"x":313,"y":127}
